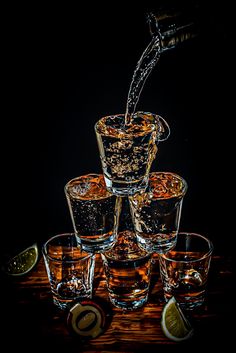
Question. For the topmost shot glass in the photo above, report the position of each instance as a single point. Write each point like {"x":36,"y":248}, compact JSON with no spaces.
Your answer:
{"x":128,"y":150}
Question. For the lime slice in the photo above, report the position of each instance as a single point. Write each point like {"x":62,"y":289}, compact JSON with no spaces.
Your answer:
{"x":173,"y":322}
{"x":23,"y":262}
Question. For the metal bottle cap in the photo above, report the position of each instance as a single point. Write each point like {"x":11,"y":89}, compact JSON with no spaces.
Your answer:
{"x":88,"y":319}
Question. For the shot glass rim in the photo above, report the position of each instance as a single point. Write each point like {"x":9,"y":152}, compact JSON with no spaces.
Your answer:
{"x":185,"y":186}
{"x":60,"y":235}
{"x":109,"y":194}
{"x":105,"y":117}
{"x":106,"y":256}
{"x":206,"y":255}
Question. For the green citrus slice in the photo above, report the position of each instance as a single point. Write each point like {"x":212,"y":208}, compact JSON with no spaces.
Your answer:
{"x":23,"y":262}
{"x":173,"y":322}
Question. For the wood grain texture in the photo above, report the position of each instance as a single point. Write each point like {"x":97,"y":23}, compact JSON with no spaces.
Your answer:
{"x":30,"y":315}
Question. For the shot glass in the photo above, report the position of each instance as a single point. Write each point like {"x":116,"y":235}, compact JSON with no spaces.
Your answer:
{"x":128,"y":150}
{"x":184,"y":270}
{"x":156,"y":212}
{"x":128,"y":272}
{"x":94,"y":212}
{"x":70,"y":270}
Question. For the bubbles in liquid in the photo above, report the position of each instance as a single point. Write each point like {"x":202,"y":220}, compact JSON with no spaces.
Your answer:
{"x":128,"y":151}
{"x":156,"y":211}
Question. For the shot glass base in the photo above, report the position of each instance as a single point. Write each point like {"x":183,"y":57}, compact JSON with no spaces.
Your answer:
{"x":62,"y":304}
{"x":189,"y":303}
{"x":124,"y":188}
{"x":159,"y":247}
{"x":66,"y":304}
{"x":97,"y":246}
{"x":128,"y":305}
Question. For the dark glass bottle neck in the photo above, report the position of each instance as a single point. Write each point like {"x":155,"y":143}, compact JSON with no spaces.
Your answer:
{"x":172,"y":29}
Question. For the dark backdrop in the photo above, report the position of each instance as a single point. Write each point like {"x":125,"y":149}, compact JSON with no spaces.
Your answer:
{"x":65,"y":68}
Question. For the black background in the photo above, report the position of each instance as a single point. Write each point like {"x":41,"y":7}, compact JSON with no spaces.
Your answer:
{"x":65,"y":67}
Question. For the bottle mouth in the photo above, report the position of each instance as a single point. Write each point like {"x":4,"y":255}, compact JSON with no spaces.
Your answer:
{"x":172,"y":27}
{"x":153,"y":24}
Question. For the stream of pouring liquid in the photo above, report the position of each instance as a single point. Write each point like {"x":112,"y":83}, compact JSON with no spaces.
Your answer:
{"x":143,"y":69}
{"x":182,"y":30}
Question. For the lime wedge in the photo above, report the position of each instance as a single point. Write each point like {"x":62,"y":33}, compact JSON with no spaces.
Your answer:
{"x":23,"y":262}
{"x":173,"y":322}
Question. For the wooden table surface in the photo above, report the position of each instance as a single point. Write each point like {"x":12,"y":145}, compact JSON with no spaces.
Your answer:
{"x":30,"y":316}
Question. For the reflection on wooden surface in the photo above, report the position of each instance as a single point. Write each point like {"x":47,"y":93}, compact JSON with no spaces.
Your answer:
{"x":29,"y":315}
